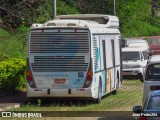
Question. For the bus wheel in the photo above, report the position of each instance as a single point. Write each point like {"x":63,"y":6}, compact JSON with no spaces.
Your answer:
{"x":115,"y":91}
{"x":98,"y":100}
{"x":30,"y":99}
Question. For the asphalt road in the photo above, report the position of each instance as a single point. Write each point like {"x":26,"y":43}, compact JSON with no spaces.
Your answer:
{"x":8,"y":102}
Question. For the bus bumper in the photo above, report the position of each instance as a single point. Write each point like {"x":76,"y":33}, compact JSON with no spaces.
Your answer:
{"x":74,"y":92}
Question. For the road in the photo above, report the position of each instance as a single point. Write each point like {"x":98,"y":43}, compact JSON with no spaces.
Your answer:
{"x":8,"y":102}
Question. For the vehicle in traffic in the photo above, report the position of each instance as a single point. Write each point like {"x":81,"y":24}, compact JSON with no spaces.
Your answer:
{"x":141,"y":44}
{"x":128,"y":41}
{"x":134,"y":59}
{"x":155,"y":49}
{"x":74,"y":56}
{"x":152,"y":76}
{"x":150,"y":109}
{"x":135,"y":40}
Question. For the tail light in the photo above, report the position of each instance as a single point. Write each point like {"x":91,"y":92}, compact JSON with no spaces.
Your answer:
{"x":29,"y":76}
{"x":89,"y":76}
{"x":142,"y":118}
{"x":154,"y":87}
{"x":89,"y":79}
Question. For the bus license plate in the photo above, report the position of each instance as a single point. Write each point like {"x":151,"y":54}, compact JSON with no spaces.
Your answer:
{"x":60,"y":81}
{"x":127,"y":73}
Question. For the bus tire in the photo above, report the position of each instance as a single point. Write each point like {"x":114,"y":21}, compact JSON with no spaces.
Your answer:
{"x":98,"y":100}
{"x":30,"y":99}
{"x":115,"y":91}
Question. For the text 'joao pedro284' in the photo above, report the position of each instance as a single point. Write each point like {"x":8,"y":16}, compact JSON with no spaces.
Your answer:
{"x":74,"y":56}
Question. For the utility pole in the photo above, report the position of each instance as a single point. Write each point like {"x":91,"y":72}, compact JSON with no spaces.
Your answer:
{"x":114,"y":7}
{"x":54,"y":9}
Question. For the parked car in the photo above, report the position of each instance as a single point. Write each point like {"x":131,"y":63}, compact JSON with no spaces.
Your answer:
{"x":135,"y":40}
{"x":152,"y":76}
{"x":150,"y":109}
{"x":134,"y":60}
{"x":127,"y":41}
{"x":155,"y":49}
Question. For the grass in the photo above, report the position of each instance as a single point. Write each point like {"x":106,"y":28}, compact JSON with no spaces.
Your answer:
{"x":14,"y":44}
{"x":128,"y":95}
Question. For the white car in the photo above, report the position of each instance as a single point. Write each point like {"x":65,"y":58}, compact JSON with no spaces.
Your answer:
{"x":151,"y":76}
{"x":141,"y":44}
{"x":135,"y":40}
{"x":134,"y":61}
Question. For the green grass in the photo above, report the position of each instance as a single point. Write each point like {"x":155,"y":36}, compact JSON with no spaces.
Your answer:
{"x":128,"y":95}
{"x":14,"y":44}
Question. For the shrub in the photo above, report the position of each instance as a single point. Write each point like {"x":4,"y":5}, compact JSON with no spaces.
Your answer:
{"x":12,"y":75}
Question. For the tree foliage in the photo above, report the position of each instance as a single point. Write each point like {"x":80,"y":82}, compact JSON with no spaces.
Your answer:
{"x":133,"y":14}
{"x":15,"y":13}
{"x":136,"y":18}
{"x":96,"y":6}
{"x":12,"y":75}
{"x":155,"y":6}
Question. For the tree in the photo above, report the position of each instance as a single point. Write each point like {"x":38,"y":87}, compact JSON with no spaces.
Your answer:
{"x":155,"y":5}
{"x":96,"y":6}
{"x":17,"y":12}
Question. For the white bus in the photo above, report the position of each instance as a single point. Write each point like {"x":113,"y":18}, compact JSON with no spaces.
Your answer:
{"x":74,"y":56}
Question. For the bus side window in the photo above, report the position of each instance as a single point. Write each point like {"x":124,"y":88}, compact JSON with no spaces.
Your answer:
{"x":113,"y":52}
{"x":104,"y":54}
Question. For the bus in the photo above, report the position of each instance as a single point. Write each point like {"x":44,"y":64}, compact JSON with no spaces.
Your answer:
{"x":74,"y":56}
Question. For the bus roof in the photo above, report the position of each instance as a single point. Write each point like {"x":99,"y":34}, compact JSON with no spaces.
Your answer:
{"x":72,"y":23}
{"x":108,"y":20}
{"x":82,"y":20}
